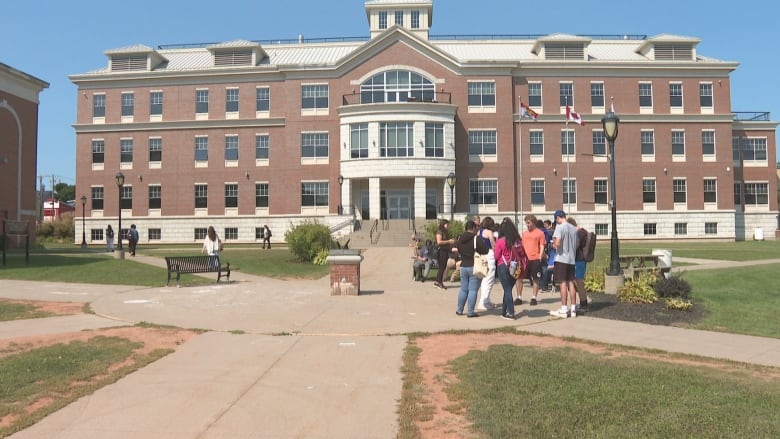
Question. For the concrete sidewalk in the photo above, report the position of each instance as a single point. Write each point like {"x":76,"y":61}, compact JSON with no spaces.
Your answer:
{"x":307,"y":365}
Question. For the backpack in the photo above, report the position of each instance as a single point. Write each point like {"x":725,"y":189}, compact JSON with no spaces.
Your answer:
{"x":589,"y":247}
{"x":267,"y":233}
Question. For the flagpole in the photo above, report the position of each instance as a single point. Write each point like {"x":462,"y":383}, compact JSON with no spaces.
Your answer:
{"x":568,"y":180}
{"x":514,"y":158}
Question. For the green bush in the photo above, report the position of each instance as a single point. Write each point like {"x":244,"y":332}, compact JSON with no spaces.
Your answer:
{"x":321,"y":258}
{"x":673,"y":286}
{"x":639,"y":290}
{"x":678,"y":304}
{"x":60,"y":231}
{"x":594,"y":281}
{"x":455,"y":229}
{"x":306,"y":240}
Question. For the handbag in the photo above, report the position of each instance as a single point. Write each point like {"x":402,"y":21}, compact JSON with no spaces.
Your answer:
{"x":480,"y":262}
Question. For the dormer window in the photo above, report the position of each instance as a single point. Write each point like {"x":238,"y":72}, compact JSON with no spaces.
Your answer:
{"x":673,"y":52}
{"x":233,"y":57}
{"x":125,"y":63}
{"x":383,"y":20}
{"x":564,"y":51}
{"x":236,"y":53}
{"x":133,"y":58}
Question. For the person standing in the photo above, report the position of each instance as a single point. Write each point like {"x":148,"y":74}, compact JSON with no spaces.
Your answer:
{"x":266,"y":237}
{"x":565,"y":244}
{"x":211,"y":246}
{"x":468,"y":244}
{"x":132,"y":239}
{"x":444,"y":242}
{"x":487,"y":229}
{"x":507,"y":252}
{"x":534,"y":244}
{"x":109,"y":238}
{"x":580,"y":265}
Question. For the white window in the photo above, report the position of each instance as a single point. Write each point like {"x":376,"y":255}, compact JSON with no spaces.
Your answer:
{"x":396,"y":139}
{"x":483,"y":192}
{"x":482,"y":142}
{"x":482,"y":94}
{"x":314,"y":145}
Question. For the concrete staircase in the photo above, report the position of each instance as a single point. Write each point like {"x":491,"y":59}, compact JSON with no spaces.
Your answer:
{"x":389,"y":233}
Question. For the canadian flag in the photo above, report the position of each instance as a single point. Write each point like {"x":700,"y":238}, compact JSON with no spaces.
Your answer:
{"x":574,"y":116}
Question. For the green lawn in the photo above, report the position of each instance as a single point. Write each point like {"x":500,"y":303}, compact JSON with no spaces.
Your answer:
{"x":511,"y":391}
{"x":92,"y":268}
{"x":745,"y":300}
{"x":277,"y":263}
{"x":731,"y":251}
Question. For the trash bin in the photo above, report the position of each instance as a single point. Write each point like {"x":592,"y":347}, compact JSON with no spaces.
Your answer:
{"x":664,"y":257}
{"x":758,"y":235}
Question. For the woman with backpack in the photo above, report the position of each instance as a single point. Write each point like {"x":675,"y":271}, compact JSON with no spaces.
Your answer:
{"x":508,"y":253}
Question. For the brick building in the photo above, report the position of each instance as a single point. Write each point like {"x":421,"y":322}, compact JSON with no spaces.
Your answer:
{"x":244,"y":133}
{"x":19,"y":94}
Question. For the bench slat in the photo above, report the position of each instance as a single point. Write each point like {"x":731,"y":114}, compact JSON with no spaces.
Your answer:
{"x":194,"y":264}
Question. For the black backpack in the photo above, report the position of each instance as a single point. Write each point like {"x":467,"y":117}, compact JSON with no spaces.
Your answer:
{"x":589,"y":247}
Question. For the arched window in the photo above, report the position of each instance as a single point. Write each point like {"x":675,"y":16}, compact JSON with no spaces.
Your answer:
{"x":397,"y":86}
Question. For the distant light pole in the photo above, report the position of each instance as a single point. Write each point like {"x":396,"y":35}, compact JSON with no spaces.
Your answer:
{"x":610,"y":124}
{"x":451,"y":180}
{"x":341,"y":206}
{"x":83,"y":221}
{"x":120,"y":181}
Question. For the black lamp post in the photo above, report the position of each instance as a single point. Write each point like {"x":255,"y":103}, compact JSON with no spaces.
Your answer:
{"x":120,"y":181}
{"x":451,"y":180}
{"x":610,"y":124}
{"x":341,"y":206}
{"x":83,"y":220}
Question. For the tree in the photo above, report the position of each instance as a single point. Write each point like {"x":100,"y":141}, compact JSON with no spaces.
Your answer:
{"x":64,"y":192}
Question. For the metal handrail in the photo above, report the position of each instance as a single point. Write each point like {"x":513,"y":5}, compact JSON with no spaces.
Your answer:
{"x":441,"y":97}
{"x":374,"y":228}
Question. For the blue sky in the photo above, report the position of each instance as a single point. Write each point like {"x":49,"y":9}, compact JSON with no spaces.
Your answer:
{"x":51,"y":39}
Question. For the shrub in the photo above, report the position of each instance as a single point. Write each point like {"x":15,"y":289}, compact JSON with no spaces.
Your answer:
{"x":321,"y":258}
{"x":60,"y":231}
{"x":456,"y":228}
{"x":639,"y":290}
{"x":679,"y":304}
{"x":594,"y":281}
{"x":306,"y":240}
{"x":673,"y":286}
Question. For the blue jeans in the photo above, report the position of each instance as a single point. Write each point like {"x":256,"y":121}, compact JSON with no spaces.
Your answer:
{"x":468,"y":289}
{"x":507,"y":283}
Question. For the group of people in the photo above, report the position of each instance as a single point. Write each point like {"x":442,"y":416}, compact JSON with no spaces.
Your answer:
{"x":547,"y":254}
{"x":132,"y":237}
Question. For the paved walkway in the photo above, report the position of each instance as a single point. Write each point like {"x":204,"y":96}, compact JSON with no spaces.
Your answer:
{"x":298,"y":362}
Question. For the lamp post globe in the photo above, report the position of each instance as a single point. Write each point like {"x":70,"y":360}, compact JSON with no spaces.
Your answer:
{"x":451,"y":180}
{"x":120,"y":181}
{"x":610,"y":124}
{"x":83,"y":222}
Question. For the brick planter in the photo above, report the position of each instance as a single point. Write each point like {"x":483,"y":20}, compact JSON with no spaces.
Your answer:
{"x":344,"y":272}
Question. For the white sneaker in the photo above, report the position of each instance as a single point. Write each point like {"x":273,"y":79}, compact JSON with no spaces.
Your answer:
{"x":562,"y":313}
{"x":573,"y":311}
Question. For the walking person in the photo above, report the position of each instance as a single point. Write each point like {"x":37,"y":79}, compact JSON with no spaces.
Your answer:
{"x":211,"y":246}
{"x":487,"y":234}
{"x":444,"y":242}
{"x":507,"y":251}
{"x":565,"y":244}
{"x":109,"y":238}
{"x":132,"y":239}
{"x":266,"y":237}
{"x":468,"y":244}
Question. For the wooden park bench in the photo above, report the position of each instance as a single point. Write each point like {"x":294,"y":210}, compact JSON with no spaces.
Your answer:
{"x":634,"y":265}
{"x":195,"y":264}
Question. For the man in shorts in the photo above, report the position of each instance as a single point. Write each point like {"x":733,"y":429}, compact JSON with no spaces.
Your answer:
{"x":534,"y":243}
{"x":565,"y":244}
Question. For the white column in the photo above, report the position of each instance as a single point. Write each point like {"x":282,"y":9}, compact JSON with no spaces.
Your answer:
{"x":420,"y":197}
{"x":374,"y":203}
{"x":447,"y":199}
{"x":346,"y":196}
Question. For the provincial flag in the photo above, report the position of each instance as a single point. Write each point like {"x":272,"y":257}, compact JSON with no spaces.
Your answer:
{"x":526,"y":111}
{"x":573,"y":116}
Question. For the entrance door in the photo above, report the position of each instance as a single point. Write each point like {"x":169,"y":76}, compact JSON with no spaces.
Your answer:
{"x":399,"y":204}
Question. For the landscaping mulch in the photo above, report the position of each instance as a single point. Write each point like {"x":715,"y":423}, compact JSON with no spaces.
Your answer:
{"x":607,"y":306}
